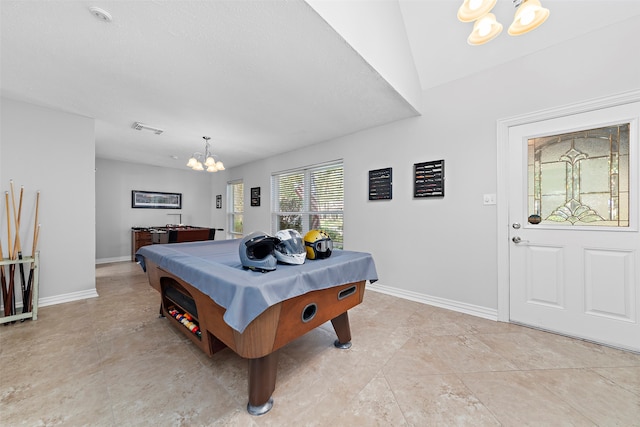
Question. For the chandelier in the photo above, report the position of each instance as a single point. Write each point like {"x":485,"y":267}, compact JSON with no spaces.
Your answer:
{"x":529,"y":15}
{"x":199,"y":161}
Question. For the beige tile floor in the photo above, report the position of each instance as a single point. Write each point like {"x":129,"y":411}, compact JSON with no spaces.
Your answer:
{"x":110,"y":361}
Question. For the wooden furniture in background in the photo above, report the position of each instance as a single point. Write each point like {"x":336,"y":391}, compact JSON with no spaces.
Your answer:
{"x":142,"y":236}
{"x":139,"y":238}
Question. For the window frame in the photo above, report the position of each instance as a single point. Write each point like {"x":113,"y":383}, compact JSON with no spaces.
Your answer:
{"x":231,"y":209}
{"x":305,"y":211}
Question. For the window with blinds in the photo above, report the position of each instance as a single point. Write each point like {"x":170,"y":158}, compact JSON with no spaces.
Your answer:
{"x":310,"y":198}
{"x":235,"y":194}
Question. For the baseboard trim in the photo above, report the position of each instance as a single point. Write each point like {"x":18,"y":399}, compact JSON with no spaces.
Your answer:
{"x":113,"y":259}
{"x":73,"y":296}
{"x":461,"y":307}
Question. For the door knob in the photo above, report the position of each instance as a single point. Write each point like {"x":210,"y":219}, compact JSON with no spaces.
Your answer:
{"x":516,"y":239}
{"x":516,"y":225}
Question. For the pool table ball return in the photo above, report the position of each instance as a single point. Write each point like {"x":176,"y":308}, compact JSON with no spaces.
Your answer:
{"x":217,"y":304}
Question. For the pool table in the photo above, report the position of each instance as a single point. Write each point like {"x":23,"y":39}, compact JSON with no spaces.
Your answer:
{"x":203,"y":281}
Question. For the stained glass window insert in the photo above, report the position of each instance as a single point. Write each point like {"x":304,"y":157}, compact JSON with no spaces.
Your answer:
{"x":580,"y":178}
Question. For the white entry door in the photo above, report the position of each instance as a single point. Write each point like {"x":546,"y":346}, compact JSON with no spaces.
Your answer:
{"x":573,"y":225}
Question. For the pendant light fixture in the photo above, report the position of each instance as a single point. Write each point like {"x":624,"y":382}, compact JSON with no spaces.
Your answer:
{"x":198,"y":161}
{"x":485,"y":29}
{"x":529,"y":15}
{"x":474,"y":9}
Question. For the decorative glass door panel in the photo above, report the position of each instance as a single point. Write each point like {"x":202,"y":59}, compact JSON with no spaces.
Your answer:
{"x":580,"y":178}
{"x":576,"y":272}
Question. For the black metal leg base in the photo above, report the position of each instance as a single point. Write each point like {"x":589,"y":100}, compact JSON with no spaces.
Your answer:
{"x":260,"y":410}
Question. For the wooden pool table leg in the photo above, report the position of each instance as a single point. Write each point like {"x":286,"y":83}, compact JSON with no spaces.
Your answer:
{"x":262,"y":383}
{"x":343,"y":331}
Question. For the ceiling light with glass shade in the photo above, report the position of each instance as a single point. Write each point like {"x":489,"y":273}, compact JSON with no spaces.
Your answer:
{"x":529,"y":15}
{"x":485,"y":29}
{"x":205,"y":161}
{"x":474,"y":9}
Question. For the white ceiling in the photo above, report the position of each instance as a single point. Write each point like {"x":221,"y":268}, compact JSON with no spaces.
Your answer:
{"x":259,"y":77}
{"x":438,"y":39}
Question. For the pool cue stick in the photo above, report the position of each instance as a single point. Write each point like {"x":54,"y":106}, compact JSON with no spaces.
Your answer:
{"x":16,"y":217}
{"x":3,"y":281}
{"x":17,"y":249}
{"x":23,"y":282}
{"x":36,"y":234}
{"x":18,"y":246}
{"x":7,"y":305}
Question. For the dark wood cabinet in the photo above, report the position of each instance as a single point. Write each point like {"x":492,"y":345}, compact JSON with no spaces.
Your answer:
{"x":139,"y":238}
{"x":142,"y":236}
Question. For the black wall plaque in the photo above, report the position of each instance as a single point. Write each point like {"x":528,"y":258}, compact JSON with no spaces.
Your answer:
{"x":380,"y":184}
{"x":255,"y":196}
{"x":428,"y":179}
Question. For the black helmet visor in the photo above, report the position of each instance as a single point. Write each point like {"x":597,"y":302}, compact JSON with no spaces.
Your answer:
{"x":261,"y":247}
{"x":321,"y":246}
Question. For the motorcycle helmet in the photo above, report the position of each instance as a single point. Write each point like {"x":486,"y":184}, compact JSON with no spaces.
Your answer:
{"x":318,"y":243}
{"x":291,"y":249}
{"x":257,"y":252}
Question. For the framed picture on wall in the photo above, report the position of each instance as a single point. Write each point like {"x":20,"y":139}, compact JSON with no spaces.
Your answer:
{"x":155,"y":200}
{"x":255,"y":196}
{"x":219,"y":201}
{"x":380,"y":184}
{"x":428,"y":179}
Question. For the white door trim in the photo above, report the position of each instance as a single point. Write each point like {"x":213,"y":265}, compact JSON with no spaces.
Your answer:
{"x":502,"y":203}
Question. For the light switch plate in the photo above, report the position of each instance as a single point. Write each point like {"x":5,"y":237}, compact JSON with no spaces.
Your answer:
{"x":489,"y":199}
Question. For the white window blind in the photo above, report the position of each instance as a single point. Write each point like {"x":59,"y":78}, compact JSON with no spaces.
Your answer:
{"x":310,"y":198}
{"x":235,"y":203}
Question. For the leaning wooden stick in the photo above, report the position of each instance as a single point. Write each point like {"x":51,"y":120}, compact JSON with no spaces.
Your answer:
{"x":7,"y":305}
{"x":27,"y":303}
{"x":23,"y":282}
{"x":3,"y":281}
{"x":30,"y":280}
{"x":17,"y":247}
{"x":16,"y":218}
{"x":6,"y":202}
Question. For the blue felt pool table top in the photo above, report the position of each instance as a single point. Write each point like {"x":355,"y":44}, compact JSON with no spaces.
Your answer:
{"x":214,"y":268}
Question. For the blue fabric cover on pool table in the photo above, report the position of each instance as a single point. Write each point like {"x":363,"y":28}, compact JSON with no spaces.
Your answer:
{"x":214,"y":268}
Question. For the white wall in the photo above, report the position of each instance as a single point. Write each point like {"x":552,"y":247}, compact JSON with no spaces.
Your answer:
{"x":115,"y":216}
{"x":444,"y":251}
{"x":53,"y":152}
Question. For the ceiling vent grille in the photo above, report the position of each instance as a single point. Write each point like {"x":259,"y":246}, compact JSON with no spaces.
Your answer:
{"x":141,"y":126}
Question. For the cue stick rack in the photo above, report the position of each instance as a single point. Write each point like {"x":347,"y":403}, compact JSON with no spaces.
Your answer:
{"x":33,"y":314}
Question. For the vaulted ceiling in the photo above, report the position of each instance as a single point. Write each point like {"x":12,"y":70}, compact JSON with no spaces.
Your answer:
{"x":259,"y":77}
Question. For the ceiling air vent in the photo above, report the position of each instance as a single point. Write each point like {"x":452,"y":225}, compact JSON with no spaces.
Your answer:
{"x":141,"y":126}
